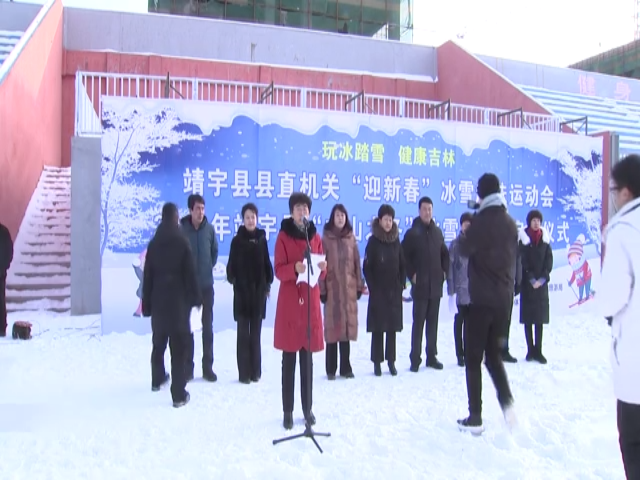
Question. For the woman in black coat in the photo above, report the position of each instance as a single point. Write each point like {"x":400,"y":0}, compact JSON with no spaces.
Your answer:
{"x":250,"y":271}
{"x":537,"y":262}
{"x":384,"y":272}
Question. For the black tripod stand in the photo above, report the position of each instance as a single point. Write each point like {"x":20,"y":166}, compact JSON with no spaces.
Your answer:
{"x":308,"y":431}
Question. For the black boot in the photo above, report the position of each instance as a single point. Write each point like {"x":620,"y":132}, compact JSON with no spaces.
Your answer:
{"x":182,"y":402}
{"x":432,"y":362}
{"x":531,"y":349}
{"x":209,"y":376}
{"x":377,"y":369}
{"x":287,"y":421}
{"x":461,"y":361}
{"x":392,"y":369}
{"x":538,"y":346}
{"x":156,"y":388}
{"x":310,"y":418}
{"x":508,"y":358}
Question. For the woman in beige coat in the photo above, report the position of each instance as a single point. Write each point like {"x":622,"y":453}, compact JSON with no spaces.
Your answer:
{"x":340,"y":291}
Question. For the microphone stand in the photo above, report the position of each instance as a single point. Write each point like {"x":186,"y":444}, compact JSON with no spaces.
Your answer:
{"x":308,"y":431}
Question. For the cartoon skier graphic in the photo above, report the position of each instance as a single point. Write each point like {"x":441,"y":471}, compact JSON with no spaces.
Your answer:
{"x":581,"y":271}
{"x":138,"y":268}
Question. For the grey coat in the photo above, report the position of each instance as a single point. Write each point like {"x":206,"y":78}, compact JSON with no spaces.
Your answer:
{"x":204,"y":248}
{"x":457,"y":278}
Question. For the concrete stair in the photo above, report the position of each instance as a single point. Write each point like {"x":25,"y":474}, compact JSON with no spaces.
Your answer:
{"x":40,"y":274}
{"x":8,"y":41}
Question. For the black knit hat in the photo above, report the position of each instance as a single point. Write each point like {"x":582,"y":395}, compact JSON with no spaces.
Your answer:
{"x":299,"y":198}
{"x":533,"y":214}
{"x":488,"y":184}
{"x":466,"y":217}
{"x":386,"y":209}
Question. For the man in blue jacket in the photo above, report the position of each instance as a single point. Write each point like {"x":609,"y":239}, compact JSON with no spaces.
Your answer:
{"x":204,"y":247}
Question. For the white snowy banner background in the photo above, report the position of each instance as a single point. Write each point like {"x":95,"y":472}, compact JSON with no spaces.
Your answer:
{"x":137,"y":129}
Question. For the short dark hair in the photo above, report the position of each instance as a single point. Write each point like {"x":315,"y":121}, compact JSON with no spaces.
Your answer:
{"x":249,"y":206}
{"x":194,"y":199}
{"x":299,"y":198}
{"x":169,"y":212}
{"x":426,"y":200}
{"x":338,"y":207}
{"x":626,"y":174}
{"x":533,"y":214}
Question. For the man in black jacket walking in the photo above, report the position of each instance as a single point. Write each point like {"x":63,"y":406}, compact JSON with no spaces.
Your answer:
{"x":204,"y":247}
{"x":169,"y":292}
{"x":490,"y":244}
{"x":427,"y":263}
{"x":6,"y":257}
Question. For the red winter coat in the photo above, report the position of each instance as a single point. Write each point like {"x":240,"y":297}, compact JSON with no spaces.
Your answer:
{"x":290,"y":329}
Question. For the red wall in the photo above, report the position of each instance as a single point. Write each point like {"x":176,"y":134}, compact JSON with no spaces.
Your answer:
{"x":113,"y":62}
{"x":464,"y":79}
{"x":606,"y":171}
{"x":30,"y":117}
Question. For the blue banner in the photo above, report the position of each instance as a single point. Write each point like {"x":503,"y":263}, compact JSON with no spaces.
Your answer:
{"x":162,"y":150}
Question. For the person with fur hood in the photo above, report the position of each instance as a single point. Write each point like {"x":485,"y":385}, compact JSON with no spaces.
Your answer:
{"x":386,"y":277}
{"x":536,"y":258}
{"x":250,"y":272}
{"x":295,"y":302}
{"x":340,"y":291}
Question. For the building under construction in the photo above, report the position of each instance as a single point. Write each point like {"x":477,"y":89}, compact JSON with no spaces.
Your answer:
{"x":622,"y":61}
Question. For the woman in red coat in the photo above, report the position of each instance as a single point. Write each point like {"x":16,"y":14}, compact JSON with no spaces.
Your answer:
{"x":290,"y":329}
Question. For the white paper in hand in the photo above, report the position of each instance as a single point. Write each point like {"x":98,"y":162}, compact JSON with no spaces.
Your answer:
{"x":196,"y":319}
{"x":316,"y":258}
{"x":453,"y":308}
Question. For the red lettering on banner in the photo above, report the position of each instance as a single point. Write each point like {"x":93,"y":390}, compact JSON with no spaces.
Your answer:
{"x":622,"y":92}
{"x":587,"y":85}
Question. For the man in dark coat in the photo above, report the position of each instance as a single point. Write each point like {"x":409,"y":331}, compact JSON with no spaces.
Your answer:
{"x":169,"y":292}
{"x":204,"y":246}
{"x":490,"y":244}
{"x":6,"y":257}
{"x":427,"y":263}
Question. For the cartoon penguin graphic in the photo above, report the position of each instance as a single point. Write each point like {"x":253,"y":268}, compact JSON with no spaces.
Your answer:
{"x":138,"y":268}
{"x":581,"y":271}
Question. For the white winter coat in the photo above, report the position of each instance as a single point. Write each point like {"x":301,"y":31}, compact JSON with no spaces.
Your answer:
{"x":619,"y":297}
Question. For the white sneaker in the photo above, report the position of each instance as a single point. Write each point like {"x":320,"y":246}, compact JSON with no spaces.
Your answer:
{"x":510,"y":417}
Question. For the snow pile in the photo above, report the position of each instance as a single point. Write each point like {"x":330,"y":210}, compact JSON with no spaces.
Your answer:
{"x":40,"y":275}
{"x":85,"y":410}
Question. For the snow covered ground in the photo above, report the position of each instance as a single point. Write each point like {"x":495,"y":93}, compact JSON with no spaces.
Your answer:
{"x":78,"y":407}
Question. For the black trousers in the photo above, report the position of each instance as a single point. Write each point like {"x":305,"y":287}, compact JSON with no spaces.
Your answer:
{"x":383,"y":348}
{"x":289,"y":380}
{"x":207,"y":334}
{"x":482,"y":332}
{"x":3,"y":302}
{"x":248,"y":349}
{"x":424,"y":311}
{"x":178,"y":347}
{"x":507,"y":329}
{"x":331,"y":358}
{"x":533,"y":334}
{"x":629,"y":431}
{"x":458,"y":327}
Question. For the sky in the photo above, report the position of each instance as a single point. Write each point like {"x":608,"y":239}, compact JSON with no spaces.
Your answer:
{"x":548,"y":32}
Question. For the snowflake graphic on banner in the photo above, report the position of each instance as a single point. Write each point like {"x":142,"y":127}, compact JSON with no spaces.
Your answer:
{"x":129,"y":208}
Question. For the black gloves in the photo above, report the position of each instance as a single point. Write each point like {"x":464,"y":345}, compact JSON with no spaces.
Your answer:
{"x":323,"y":298}
{"x":359,"y":294}
{"x":516,"y":290}
{"x":609,"y":320}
